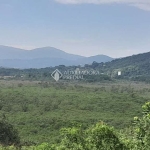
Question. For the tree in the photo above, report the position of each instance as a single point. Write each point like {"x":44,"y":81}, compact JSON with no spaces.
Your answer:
{"x":98,"y":137}
{"x":8,"y":135}
{"x":103,"y":137}
{"x":142,"y":127}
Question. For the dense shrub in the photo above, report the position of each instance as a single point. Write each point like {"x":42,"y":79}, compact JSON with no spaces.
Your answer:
{"x":8,"y":135}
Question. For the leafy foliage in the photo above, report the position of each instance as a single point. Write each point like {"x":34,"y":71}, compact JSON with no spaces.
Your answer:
{"x":38,"y":110}
{"x":103,"y":137}
{"x":8,"y":135}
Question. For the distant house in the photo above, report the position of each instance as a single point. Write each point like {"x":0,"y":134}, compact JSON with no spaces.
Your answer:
{"x":119,"y":73}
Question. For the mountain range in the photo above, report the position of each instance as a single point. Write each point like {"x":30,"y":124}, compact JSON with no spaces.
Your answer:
{"x":43,"y":57}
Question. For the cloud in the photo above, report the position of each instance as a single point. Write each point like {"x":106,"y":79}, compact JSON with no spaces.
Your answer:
{"x":145,"y":7}
{"x":141,"y":4}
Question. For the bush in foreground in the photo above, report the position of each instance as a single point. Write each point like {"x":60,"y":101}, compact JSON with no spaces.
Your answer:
{"x":8,"y":135}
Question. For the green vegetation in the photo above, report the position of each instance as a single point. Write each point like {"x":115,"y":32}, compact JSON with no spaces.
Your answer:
{"x":67,"y":115}
{"x":8,"y":135}
{"x":102,"y":137}
{"x":39,"y":110}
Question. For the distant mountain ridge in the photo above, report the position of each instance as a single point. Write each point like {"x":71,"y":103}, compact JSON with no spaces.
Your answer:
{"x":97,"y":58}
{"x":135,"y":67}
{"x":16,"y":53}
{"x":43,"y":57}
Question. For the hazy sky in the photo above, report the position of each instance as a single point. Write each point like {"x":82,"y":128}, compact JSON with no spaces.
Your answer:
{"x":87,"y":27}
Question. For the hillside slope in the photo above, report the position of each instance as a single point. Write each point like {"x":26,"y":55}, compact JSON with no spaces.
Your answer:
{"x":136,"y":66}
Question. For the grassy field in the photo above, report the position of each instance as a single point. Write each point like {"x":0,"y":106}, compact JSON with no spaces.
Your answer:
{"x":40,"y":109}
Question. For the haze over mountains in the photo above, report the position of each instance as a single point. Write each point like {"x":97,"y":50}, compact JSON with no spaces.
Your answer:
{"x":43,"y":57}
